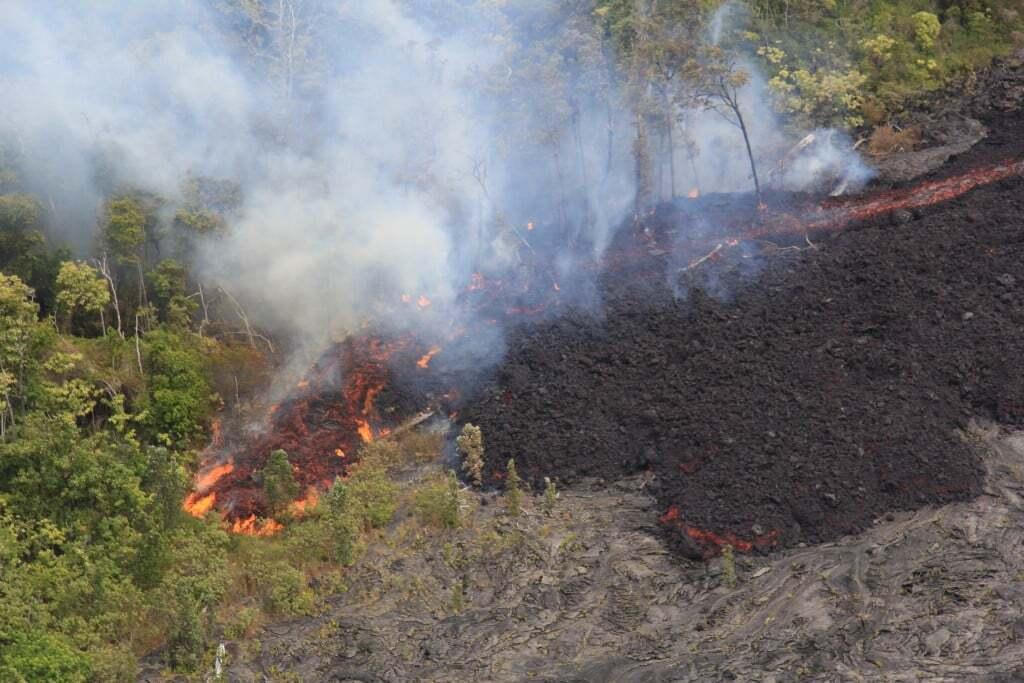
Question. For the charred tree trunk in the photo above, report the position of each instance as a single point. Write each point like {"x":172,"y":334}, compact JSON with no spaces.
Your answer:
{"x":750,"y":152}
{"x":578,"y":134}
{"x":671,"y":157}
{"x":643,"y":174}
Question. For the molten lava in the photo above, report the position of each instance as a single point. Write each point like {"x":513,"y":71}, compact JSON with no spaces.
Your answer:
{"x":334,"y":409}
{"x":424,"y":361}
{"x":710,"y":543}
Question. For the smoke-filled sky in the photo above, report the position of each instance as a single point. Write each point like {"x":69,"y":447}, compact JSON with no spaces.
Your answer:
{"x":382,"y":146}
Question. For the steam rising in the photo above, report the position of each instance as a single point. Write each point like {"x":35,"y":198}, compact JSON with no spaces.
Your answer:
{"x":384,"y":148}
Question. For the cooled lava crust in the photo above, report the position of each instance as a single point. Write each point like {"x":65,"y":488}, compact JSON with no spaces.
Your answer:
{"x":783,"y":399}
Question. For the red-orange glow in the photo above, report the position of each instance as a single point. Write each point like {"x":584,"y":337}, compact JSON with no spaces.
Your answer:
{"x":711,"y":542}
{"x":303,"y":505}
{"x":197,"y":505}
{"x":340,"y":453}
{"x":423,"y":302}
{"x":302,"y":384}
{"x":406,"y":299}
{"x":693,"y":194}
{"x":253,"y":526}
{"x":365,"y":431}
{"x":529,"y":226}
{"x":208,"y":478}
{"x":424,"y":362}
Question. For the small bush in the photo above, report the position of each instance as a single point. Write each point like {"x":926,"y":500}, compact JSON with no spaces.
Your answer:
{"x":550,"y":496}
{"x":887,"y":140}
{"x":384,"y":454}
{"x":279,"y":485}
{"x":373,"y":495}
{"x":471,"y":445}
{"x":286,"y":591}
{"x":728,"y":567}
{"x":341,"y":523}
{"x":437,"y":503}
{"x":243,"y":624}
{"x":513,"y":494}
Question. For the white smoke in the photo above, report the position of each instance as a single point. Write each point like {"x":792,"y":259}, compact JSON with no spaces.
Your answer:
{"x":384,"y":148}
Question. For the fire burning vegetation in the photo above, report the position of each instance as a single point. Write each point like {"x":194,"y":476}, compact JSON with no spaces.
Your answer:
{"x":370,"y":383}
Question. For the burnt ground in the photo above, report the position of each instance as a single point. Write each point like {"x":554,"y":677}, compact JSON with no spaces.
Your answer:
{"x":589,"y":594}
{"x":789,"y":396}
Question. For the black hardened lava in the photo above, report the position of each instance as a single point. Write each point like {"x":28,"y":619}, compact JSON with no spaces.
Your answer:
{"x":792,"y":397}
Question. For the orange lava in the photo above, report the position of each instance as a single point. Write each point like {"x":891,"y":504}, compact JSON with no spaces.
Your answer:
{"x":424,"y":362}
{"x":711,"y":542}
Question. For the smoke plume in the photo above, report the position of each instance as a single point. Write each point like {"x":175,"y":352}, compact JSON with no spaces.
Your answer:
{"x":383,"y":148}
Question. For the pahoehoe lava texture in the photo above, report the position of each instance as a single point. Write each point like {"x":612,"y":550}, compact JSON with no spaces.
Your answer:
{"x":827,"y":391}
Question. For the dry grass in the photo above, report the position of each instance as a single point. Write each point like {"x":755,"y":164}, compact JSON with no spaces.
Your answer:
{"x":888,"y":140}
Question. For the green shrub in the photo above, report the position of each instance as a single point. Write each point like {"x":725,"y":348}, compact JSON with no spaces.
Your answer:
{"x":179,"y":396}
{"x":513,"y":494}
{"x":373,"y":495}
{"x":279,"y":485}
{"x":437,"y":502}
{"x":42,"y":657}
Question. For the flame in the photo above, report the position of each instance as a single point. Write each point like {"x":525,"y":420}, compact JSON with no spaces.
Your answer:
{"x":365,"y":431}
{"x":424,"y":362}
{"x":252,"y":526}
{"x":693,"y":194}
{"x":406,"y":299}
{"x":529,"y":226}
{"x":303,"y":505}
{"x":423,"y":302}
{"x":340,"y":453}
{"x":302,"y":384}
{"x":197,"y":505}
{"x":208,"y":478}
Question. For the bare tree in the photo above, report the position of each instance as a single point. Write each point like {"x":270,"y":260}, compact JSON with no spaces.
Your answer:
{"x":104,"y":267}
{"x":720,"y":88}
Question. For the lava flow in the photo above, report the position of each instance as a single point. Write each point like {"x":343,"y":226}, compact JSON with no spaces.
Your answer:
{"x":351,"y":396}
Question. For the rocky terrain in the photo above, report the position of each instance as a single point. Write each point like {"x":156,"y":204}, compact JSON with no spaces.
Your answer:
{"x":591,"y":594}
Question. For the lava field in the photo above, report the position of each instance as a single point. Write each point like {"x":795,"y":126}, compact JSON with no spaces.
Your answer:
{"x":796,"y":403}
{"x":785,"y":377}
